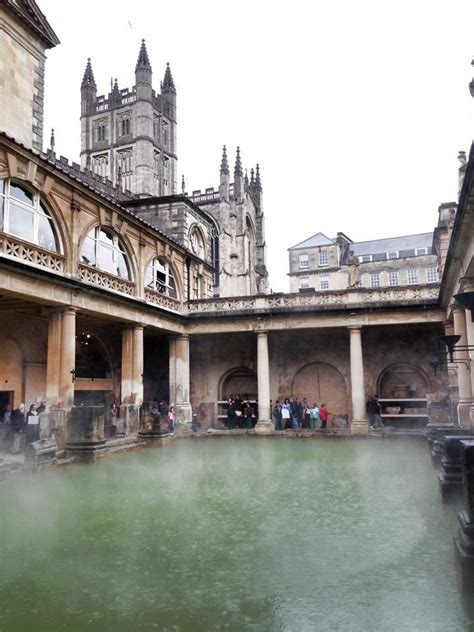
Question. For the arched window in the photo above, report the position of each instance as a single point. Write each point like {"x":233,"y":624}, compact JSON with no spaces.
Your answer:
{"x":103,"y":249}
{"x":160,"y":277}
{"x":23,"y":214}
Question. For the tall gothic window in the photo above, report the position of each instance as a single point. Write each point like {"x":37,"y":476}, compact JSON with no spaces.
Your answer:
{"x":156,"y":171}
{"x":100,"y":165}
{"x":23,"y":214}
{"x":124,"y":164}
{"x":160,"y":278}
{"x":125,"y":127}
{"x":103,"y":249}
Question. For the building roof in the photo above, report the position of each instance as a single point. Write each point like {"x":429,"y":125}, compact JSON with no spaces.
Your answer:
{"x":319,"y":239}
{"x":392,"y":244}
{"x":33,"y":19}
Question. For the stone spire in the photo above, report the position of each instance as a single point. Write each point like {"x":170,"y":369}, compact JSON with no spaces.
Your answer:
{"x":143,"y":60}
{"x":224,"y":163}
{"x":246,"y":179}
{"x":52,"y":140}
{"x":115,"y":96}
{"x":168,"y":83}
{"x":88,"y":80}
{"x":225,"y":181}
{"x":238,"y":179}
{"x":183,"y":185}
{"x":252,"y":179}
{"x":238,"y":164}
{"x":258,"y":182}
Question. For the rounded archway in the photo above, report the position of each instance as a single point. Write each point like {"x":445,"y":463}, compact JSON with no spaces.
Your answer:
{"x":322,"y":383}
{"x":403,"y":380}
{"x":240,"y":380}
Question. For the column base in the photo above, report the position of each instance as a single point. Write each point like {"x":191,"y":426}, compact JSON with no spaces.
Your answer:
{"x":264,"y":427}
{"x":360,"y":427}
{"x":464,"y":414}
{"x":183,"y":418}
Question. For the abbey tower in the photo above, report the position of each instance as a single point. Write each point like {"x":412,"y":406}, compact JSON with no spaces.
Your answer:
{"x":129,"y":136}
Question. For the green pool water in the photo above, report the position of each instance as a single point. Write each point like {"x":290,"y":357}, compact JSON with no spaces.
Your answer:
{"x":233,"y":534}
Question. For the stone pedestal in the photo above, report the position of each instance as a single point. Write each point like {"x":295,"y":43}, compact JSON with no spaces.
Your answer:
{"x":450,"y":478}
{"x":464,"y":540}
{"x":86,"y":430}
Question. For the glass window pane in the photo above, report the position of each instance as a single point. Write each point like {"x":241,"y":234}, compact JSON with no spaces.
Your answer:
{"x":105,"y":238}
{"x":106,"y":259}
{"x":172,"y":286}
{"x":20,"y":222}
{"x":46,"y":235}
{"x":21,"y":194}
{"x":160,"y":265}
{"x":122,"y":266}
{"x":1,"y":212}
{"x":88,"y":251}
{"x":149,"y":278}
{"x":2,"y":186}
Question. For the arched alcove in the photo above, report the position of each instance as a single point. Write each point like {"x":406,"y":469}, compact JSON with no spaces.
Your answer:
{"x":92,"y":359}
{"x":322,"y":383}
{"x":403,"y":380}
{"x":240,"y":380}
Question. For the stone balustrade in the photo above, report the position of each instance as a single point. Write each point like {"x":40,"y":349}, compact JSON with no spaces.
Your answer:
{"x":101,"y":279}
{"x":326,"y":300}
{"x":26,"y":252}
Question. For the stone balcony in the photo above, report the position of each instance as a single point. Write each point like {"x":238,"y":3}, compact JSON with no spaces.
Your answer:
{"x":331,"y":300}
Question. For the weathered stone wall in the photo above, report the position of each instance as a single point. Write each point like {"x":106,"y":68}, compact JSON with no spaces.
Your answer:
{"x":313,"y":364}
{"x":22,"y":59}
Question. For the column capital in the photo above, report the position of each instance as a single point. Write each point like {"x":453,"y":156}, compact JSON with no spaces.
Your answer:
{"x":261,"y":332}
{"x":354,"y":327}
{"x":69,"y":310}
{"x":466,"y":284}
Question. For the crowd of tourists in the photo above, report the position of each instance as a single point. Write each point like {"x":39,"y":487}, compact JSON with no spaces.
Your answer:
{"x":20,"y":426}
{"x":286,"y":414}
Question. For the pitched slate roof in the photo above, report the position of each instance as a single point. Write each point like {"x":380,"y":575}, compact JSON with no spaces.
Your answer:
{"x":319,"y":239}
{"x":392,"y":244}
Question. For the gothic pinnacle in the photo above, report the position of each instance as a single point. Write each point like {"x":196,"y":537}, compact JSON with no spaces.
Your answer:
{"x":258,"y":183}
{"x":246,"y":179}
{"x":143,"y":60}
{"x":168,"y":83}
{"x":52,"y":140}
{"x":88,"y":79}
{"x":252,"y":179}
{"x":224,"y":163}
{"x":238,"y":164}
{"x":471,"y":85}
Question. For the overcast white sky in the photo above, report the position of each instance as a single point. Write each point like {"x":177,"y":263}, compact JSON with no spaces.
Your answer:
{"x":354,"y":110}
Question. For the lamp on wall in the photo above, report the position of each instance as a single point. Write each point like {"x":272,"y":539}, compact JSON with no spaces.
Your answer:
{"x":444,"y":358}
{"x":466,"y":299}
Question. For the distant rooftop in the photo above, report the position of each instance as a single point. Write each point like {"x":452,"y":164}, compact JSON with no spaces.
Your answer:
{"x":392,"y":244}
{"x":320,"y":239}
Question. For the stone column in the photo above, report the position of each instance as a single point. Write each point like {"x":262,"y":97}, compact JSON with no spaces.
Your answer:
{"x":67,"y":360}
{"x":264,"y":424}
{"x":137,"y":365}
{"x":359,"y":423}
{"x":182,"y":405}
{"x":172,"y":370}
{"x":53,"y":359}
{"x":464,"y":376}
{"x":127,"y":353}
{"x":468,"y":286}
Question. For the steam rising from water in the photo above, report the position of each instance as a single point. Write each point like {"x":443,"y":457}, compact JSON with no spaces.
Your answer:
{"x":234,"y":534}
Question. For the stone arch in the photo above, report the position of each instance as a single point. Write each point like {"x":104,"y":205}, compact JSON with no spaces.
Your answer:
{"x":322,"y":383}
{"x":400,"y":377}
{"x":240,"y":380}
{"x":92,"y":357}
{"x":62,"y":228}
